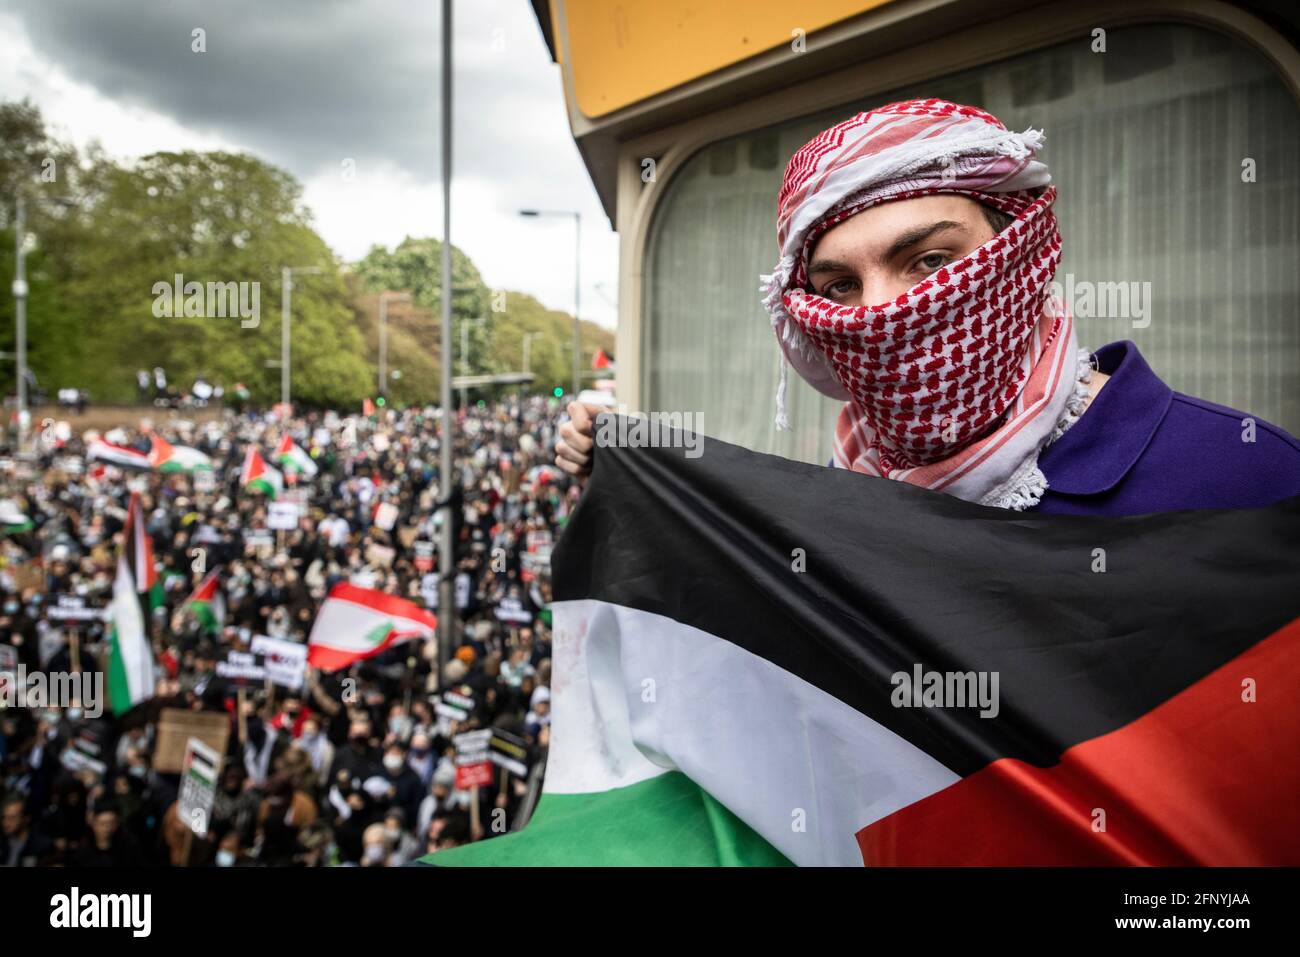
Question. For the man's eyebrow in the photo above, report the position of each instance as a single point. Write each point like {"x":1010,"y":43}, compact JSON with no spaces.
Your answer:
{"x":914,"y":236}
{"x":909,"y":238}
{"x":829,"y":265}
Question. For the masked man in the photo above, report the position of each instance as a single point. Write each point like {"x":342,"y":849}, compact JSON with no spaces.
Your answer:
{"x":917,"y":251}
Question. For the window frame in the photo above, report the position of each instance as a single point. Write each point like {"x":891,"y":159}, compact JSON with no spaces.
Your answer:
{"x":673,"y":147}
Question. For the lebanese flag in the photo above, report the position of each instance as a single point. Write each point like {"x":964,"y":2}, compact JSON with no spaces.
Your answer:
{"x":208,"y":604}
{"x":166,"y":457}
{"x":119,"y":455}
{"x":293,"y":459}
{"x":258,"y":476}
{"x":761,"y":661}
{"x":356,"y":623}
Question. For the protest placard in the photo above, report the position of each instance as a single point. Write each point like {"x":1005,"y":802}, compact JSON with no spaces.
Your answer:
{"x":200,"y":768}
{"x":177,"y":725}
{"x":473,"y":761}
{"x":508,"y":751}
{"x":282,"y":516}
{"x":242,"y":668}
{"x":285,"y":661}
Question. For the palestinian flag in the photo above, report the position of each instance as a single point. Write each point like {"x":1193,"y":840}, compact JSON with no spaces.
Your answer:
{"x":293,"y":459}
{"x":257,"y":476}
{"x":208,"y":604}
{"x":356,"y":623}
{"x":119,"y":455}
{"x":166,"y":457}
{"x":758,"y":660}
{"x":131,"y":674}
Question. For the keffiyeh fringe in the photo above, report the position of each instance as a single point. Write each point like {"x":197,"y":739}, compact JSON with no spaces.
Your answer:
{"x":1025,"y":488}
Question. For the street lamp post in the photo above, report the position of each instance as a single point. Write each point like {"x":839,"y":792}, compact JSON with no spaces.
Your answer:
{"x":20,"y":302}
{"x":446,"y":565}
{"x":384,"y":299}
{"x":286,"y":292}
{"x":464,"y":357}
{"x":528,"y":342}
{"x":577,"y":285}
{"x":20,"y":315}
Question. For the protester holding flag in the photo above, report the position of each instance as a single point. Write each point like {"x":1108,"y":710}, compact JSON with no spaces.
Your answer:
{"x":208,"y":603}
{"x":257,"y":476}
{"x":136,"y":590}
{"x":294,"y":460}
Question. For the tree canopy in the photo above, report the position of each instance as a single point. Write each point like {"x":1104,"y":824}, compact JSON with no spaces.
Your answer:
{"x":106,"y":236}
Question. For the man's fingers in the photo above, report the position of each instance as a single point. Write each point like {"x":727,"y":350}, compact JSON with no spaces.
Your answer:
{"x":579,"y":416}
{"x":566,"y":453}
{"x":573,"y":469}
{"x":583,"y":415}
{"x":575,"y":438}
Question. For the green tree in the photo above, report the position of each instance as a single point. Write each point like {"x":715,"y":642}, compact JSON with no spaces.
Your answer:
{"x":550,"y":333}
{"x":415,"y":267}
{"x":45,"y":170}
{"x":96,"y":272}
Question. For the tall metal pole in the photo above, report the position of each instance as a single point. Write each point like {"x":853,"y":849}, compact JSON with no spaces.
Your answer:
{"x":286,"y":286}
{"x":464,"y":360}
{"x":383,"y":343}
{"x":20,"y":315}
{"x":577,"y":303}
{"x":528,"y":348}
{"x":446,"y":600}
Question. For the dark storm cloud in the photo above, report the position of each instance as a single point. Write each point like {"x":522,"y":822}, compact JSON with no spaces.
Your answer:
{"x":308,"y":83}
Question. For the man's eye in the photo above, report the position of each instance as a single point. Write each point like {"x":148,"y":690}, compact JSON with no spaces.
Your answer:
{"x":840,"y":287}
{"x":932,"y":262}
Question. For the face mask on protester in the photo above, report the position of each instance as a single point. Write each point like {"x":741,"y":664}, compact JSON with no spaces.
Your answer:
{"x":399,"y":725}
{"x":393,"y":762}
{"x":225,"y":859}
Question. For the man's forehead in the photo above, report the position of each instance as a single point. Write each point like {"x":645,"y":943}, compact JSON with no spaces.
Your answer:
{"x":881,"y":226}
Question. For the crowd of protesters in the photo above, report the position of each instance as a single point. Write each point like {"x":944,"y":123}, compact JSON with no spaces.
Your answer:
{"x":356,"y":767}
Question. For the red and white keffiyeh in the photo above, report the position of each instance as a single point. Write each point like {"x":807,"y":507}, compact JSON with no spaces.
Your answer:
{"x":958,"y":383}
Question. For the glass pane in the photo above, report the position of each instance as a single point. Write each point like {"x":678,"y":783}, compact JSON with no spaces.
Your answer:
{"x":1146,"y":142}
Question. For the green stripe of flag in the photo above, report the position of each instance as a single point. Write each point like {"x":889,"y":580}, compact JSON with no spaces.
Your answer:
{"x":119,"y":689}
{"x":666,"y":821}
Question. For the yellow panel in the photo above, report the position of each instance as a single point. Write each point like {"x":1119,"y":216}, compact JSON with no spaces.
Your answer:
{"x":623,"y":51}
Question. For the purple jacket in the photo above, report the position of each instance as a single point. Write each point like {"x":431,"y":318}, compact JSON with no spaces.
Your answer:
{"x":1142,"y":447}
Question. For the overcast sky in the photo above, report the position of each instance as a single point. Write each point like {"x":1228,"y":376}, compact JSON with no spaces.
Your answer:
{"x":312,"y":84}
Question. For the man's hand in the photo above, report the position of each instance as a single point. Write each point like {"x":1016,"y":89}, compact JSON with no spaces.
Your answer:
{"x":577,"y":438}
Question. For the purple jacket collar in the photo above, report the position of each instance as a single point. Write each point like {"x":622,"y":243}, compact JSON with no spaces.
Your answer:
{"x":1100,"y":448}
